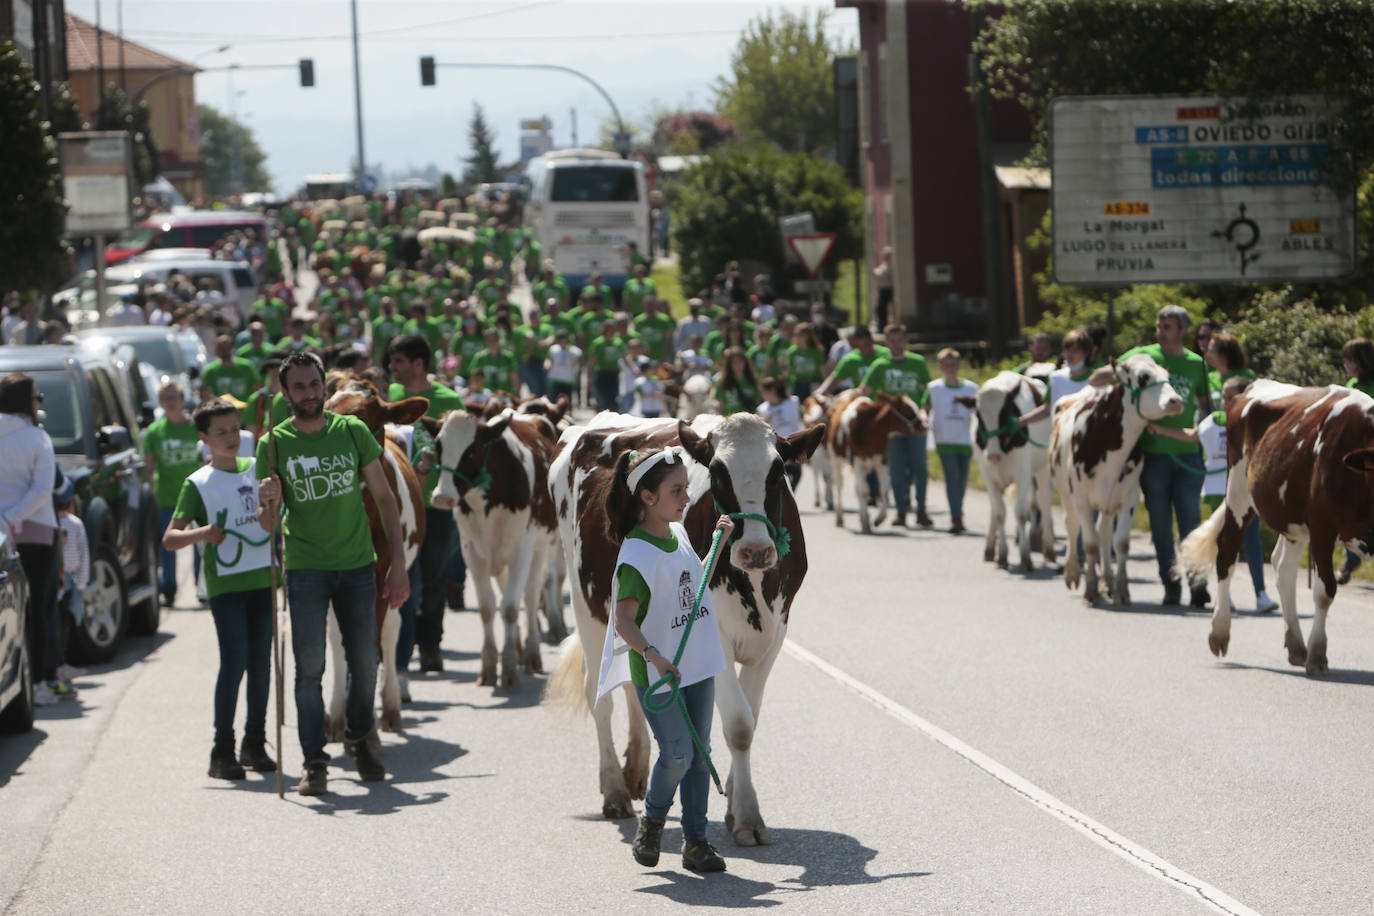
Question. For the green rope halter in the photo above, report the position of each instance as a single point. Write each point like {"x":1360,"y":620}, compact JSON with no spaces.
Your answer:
{"x":1012,"y":427}
{"x":482,"y":480}
{"x":782,"y":538}
{"x":220,"y":518}
{"x":1135,"y":399}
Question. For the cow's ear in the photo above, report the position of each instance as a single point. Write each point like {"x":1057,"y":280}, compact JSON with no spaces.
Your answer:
{"x":699,"y":447}
{"x":560,"y":408}
{"x":474,"y":409}
{"x":800,"y":445}
{"x":494,"y":427}
{"x":1360,"y":460}
{"x":431,"y":425}
{"x":966,"y":400}
{"x":406,"y":412}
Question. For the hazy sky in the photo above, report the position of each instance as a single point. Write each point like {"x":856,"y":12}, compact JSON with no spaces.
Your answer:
{"x":641,"y":52}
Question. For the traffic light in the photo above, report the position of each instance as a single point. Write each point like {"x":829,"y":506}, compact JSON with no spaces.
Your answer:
{"x":307,"y":72}
{"x":426,"y":71}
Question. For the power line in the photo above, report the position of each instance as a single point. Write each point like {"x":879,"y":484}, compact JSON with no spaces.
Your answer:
{"x":449,"y":39}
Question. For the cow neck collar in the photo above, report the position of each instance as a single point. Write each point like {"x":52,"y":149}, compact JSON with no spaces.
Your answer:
{"x":480,"y":481}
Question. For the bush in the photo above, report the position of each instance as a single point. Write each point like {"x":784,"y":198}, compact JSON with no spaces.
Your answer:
{"x":1295,"y":341}
{"x":1134,"y":311}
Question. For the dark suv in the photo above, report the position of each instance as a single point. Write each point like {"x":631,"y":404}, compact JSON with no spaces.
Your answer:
{"x":95,"y":432}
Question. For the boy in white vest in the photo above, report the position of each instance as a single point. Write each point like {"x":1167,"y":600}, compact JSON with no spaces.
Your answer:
{"x":221,"y":501}
{"x":656,"y":580}
{"x":949,"y":422}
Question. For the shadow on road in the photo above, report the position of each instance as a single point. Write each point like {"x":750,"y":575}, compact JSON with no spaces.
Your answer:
{"x":1333,"y":676}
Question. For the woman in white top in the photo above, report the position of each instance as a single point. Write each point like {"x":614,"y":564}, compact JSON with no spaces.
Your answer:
{"x":1073,"y":376}
{"x":950,"y":427}
{"x":564,"y":365}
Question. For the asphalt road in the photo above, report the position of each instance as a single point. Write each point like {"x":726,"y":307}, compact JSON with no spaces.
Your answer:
{"x":944,"y":737}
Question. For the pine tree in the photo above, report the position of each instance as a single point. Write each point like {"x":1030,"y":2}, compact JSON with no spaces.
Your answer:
{"x":481,"y":159}
{"x":32,"y":212}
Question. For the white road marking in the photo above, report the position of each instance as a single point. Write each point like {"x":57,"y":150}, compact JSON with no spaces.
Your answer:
{"x":1099,"y":833}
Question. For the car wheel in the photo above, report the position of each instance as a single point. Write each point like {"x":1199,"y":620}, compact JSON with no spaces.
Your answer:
{"x":98,"y":637}
{"x":17,"y":717}
{"x":146,"y":616}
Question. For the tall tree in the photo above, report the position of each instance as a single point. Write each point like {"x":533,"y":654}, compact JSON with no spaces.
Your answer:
{"x":781,"y":88}
{"x":118,"y":111}
{"x":32,"y":213}
{"x":219,"y":137}
{"x":481,"y":159}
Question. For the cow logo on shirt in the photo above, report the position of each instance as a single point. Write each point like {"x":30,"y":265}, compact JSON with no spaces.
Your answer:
{"x":321,"y":476}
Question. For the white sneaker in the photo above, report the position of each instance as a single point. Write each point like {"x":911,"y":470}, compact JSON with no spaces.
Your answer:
{"x":42,"y":696}
{"x":1264,"y":604}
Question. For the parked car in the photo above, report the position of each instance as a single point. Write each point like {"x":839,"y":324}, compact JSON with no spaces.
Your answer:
{"x":95,"y":435}
{"x":16,"y":667}
{"x":139,"y":381}
{"x":235,"y":279}
{"x":174,"y":355}
{"x":192,"y":229}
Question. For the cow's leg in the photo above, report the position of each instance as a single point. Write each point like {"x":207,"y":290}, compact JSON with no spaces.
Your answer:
{"x":482,"y":583}
{"x":861,"y":493}
{"x":1094,"y":541}
{"x":636,"y":769}
{"x":534,"y":587}
{"x":517,"y":574}
{"x":999,"y":517}
{"x":1323,"y":591}
{"x":1024,"y":485}
{"x":996,"y":511}
{"x":826,"y":468}
{"x":1073,"y":528}
{"x":1228,"y":548}
{"x":1121,"y":549}
{"x":884,"y":494}
{"x":391,"y":687}
{"x":591,"y":635}
{"x":837,"y":475}
{"x":738,"y":697}
{"x":338,"y":674}
{"x":1286,"y":556}
{"x":553,"y":596}
{"x":1044,"y":499}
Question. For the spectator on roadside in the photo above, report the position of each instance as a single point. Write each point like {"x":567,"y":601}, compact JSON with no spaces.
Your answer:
{"x":13,"y":308}
{"x":882,"y":282}
{"x":648,"y":390}
{"x":826,"y":332}
{"x":564,"y":365}
{"x":160,"y":310}
{"x":171,"y":453}
{"x":1226,"y":358}
{"x":1097,"y":333}
{"x":28,"y":330}
{"x":128,"y":313}
{"x":949,"y":422}
{"x":27,"y":478}
{"x":782,"y":412}
{"x":76,"y":571}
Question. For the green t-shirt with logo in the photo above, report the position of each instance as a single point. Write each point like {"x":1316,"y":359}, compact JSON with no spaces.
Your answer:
{"x":762,"y":358}
{"x":853,"y":366}
{"x":889,"y":375}
{"x":657,"y":333}
{"x":741,"y":397}
{"x":191,"y":506}
{"x":501,"y":370}
{"x":465,"y":347}
{"x":321,"y":477}
{"x":426,"y":329}
{"x":1188,"y":376}
{"x":804,"y":364}
{"x":606,"y":352}
{"x":543,"y":292}
{"x":635,"y":291}
{"x":175,"y":448}
{"x":255,"y":355}
{"x":239,"y":378}
{"x":385,"y":327}
{"x":441,"y":399}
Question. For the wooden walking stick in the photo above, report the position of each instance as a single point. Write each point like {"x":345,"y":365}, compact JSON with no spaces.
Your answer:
{"x":278,"y":643}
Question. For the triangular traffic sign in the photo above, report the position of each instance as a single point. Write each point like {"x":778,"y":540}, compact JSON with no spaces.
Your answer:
{"x":812,"y":249}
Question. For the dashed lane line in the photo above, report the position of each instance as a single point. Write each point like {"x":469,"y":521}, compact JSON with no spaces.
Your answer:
{"x":1099,"y":833}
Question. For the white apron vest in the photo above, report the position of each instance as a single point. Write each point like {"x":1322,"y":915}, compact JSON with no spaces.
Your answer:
{"x":236,"y":495}
{"x":673,"y":579}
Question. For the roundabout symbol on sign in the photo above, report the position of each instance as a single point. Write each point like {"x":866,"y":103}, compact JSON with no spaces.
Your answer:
{"x":1244,"y":233}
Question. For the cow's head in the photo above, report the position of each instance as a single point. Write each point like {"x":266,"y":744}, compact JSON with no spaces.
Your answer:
{"x":1147,"y":387}
{"x":461,"y":446}
{"x":898,"y":415}
{"x":745,"y":458}
{"x":998,"y":432}
{"x":358,"y":398}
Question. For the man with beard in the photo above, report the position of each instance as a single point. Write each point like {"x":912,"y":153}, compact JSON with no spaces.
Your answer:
{"x":321,"y":460}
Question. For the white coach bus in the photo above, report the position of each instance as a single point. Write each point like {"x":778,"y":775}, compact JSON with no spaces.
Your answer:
{"x":585,"y":206}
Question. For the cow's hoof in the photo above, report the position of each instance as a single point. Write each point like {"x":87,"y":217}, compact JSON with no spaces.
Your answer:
{"x":1035,"y":541}
{"x":487,"y":678}
{"x":509,"y":679}
{"x":880,"y":518}
{"x":533,"y":664}
{"x":636,"y":779}
{"x":989,"y":555}
{"x":1002,"y":563}
{"x":1316,"y":662}
{"x":1219,"y":645}
{"x":390,"y":720}
{"x":333,"y":729}
{"x":558,"y":630}
{"x":1092,"y":597}
{"x":616,"y":809}
{"x":1027,"y":565}
{"x":1297,"y":652}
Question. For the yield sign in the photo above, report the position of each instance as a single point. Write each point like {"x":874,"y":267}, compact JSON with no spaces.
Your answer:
{"x":812,"y":249}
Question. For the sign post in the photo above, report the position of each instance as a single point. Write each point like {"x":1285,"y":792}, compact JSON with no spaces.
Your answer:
{"x":95,"y":183}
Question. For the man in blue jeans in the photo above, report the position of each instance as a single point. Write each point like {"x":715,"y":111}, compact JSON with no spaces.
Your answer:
{"x":321,"y":462}
{"x":898,"y":373}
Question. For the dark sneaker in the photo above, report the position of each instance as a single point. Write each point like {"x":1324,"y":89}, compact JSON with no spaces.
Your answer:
{"x":957,"y":527}
{"x":1199,"y":596}
{"x":430,"y":659}
{"x":1173,"y":594}
{"x":699,"y":855}
{"x":316,"y":779}
{"x":223,"y":765}
{"x":253,"y":754}
{"x":367,"y":759}
{"x":647,"y":841}
{"x":924,"y":520}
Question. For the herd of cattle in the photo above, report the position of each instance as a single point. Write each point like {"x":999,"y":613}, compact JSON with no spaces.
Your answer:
{"x":523,"y":483}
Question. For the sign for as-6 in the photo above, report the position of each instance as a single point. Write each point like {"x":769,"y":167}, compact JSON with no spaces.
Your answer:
{"x":1157,"y":189}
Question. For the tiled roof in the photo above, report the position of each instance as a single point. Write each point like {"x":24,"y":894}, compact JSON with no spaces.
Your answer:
{"x":82,"y":50}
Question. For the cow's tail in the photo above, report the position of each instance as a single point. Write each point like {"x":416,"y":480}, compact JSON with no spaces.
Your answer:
{"x":1197,"y":555}
{"x":565,"y":690}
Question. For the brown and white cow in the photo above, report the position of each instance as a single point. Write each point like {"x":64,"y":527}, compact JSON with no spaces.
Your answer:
{"x":1301,"y":458}
{"x":493,"y":475}
{"x":1096,"y":462}
{"x":1008,"y":455}
{"x":859,"y":427}
{"x":814,"y":411}
{"x":734,"y":465}
{"x":359,"y":398}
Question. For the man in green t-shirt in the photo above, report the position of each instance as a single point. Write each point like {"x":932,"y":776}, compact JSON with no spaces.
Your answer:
{"x":229,"y":374}
{"x":849,"y":372}
{"x":171,"y":452}
{"x":256,"y":350}
{"x":638,"y":288}
{"x":408,"y":359}
{"x":1171,"y":480}
{"x":657,"y":330}
{"x":499,"y":366}
{"x":315,"y":465}
{"x":902,"y":373}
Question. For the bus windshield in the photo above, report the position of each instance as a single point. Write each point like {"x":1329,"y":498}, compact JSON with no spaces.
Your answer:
{"x":588,"y":184}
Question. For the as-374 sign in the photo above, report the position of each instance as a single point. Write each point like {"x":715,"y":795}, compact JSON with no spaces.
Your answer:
{"x":1155,"y":189}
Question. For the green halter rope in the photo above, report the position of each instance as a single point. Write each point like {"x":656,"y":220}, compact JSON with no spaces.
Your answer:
{"x":675,"y":692}
{"x":1135,"y":399}
{"x":220,"y":518}
{"x":480,"y":482}
{"x":1012,"y":427}
{"x":782,"y":539}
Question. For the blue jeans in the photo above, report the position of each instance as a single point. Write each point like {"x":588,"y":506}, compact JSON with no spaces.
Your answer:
{"x":679,"y":762}
{"x":1254,"y":554}
{"x":956,"y":467}
{"x":405,"y":637}
{"x":455,"y":568}
{"x":353,"y":593}
{"x":167,"y":577}
{"x":906,"y":464}
{"x":1171,"y":492}
{"x":243,"y":623}
{"x":607,"y":383}
{"x":535,"y":377}
{"x":433,"y":563}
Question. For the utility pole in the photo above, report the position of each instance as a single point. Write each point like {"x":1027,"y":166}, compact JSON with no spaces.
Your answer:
{"x":99,"y":59}
{"x":993,"y":264}
{"x":358,"y":95}
{"x":573,"y":113}
{"x":119,"y":24}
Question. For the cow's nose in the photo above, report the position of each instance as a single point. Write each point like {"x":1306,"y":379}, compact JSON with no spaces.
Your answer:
{"x":994,"y":457}
{"x":1174,"y":405}
{"x":758,"y":557}
{"x":442,"y":501}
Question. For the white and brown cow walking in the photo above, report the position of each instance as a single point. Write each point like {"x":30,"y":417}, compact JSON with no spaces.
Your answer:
{"x":859,"y":427}
{"x":1096,"y":462}
{"x":1302,"y":459}
{"x":734,"y":465}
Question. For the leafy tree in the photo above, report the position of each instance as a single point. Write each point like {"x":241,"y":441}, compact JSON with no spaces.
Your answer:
{"x":32,"y":256}
{"x":687,"y":132}
{"x":448,"y":185}
{"x":781,"y":87}
{"x":66,"y":114}
{"x":481,"y":159}
{"x":218,"y":136}
{"x":727,"y":207}
{"x":117,"y":111}
{"x":1291,"y":339}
